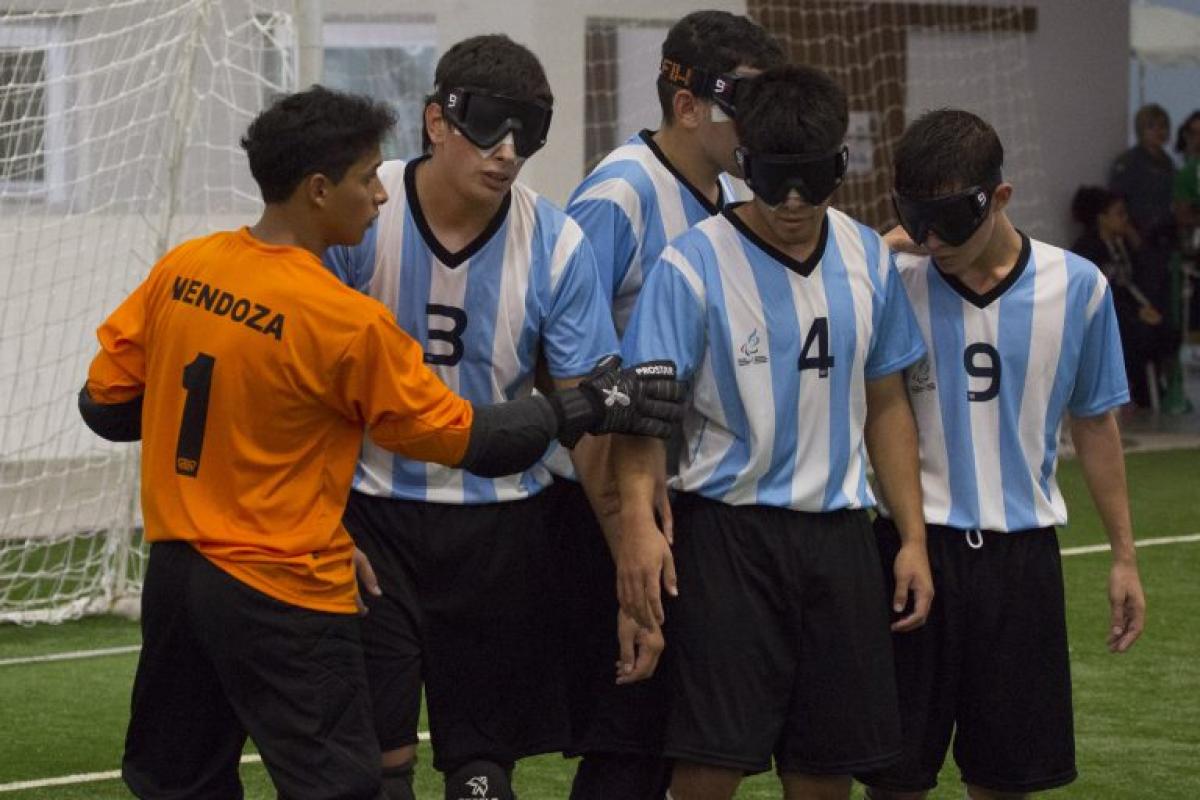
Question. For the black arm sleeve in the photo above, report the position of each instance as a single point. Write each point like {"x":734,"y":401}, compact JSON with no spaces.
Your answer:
{"x":117,"y":422}
{"x":510,"y":437}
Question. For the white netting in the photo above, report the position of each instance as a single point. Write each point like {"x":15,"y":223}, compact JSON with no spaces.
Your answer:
{"x":119,"y":127}
{"x":894,"y":59}
{"x":119,"y":123}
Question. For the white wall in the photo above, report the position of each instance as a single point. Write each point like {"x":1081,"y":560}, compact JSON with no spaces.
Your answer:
{"x":554,"y":30}
{"x":1076,"y":73}
{"x":1080,"y":61}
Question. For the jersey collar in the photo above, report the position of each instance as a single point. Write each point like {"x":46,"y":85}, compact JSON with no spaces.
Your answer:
{"x":803,"y":268}
{"x":647,"y":137}
{"x":443,"y":255}
{"x":986,"y":299}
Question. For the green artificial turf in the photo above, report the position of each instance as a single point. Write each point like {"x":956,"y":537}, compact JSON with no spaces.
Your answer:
{"x":1135,"y":713}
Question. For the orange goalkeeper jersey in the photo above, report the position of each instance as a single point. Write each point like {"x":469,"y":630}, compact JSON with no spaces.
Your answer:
{"x":260,"y":371}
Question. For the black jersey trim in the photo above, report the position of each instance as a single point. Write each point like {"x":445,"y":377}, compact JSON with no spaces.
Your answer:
{"x":803,"y":268}
{"x":443,"y":255}
{"x":988,"y":297}
{"x":647,"y":136}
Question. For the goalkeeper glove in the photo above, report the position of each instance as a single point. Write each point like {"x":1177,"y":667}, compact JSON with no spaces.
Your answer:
{"x":645,"y":400}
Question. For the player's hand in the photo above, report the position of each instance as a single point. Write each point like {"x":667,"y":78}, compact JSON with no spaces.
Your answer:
{"x":1127,"y":602}
{"x":662,"y":511}
{"x":640,"y":649}
{"x":912,"y":578}
{"x":366,"y":580}
{"x":898,"y":241}
{"x":644,"y":562}
{"x":645,"y":399}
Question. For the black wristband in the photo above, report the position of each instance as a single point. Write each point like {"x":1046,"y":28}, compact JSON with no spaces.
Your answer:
{"x":117,"y":422}
{"x":577,"y":413}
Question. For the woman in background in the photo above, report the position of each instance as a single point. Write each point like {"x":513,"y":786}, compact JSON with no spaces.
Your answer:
{"x":1112,"y":243}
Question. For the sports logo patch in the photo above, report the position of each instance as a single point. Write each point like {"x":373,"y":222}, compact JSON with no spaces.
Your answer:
{"x":749,"y":351}
{"x":920,"y":377}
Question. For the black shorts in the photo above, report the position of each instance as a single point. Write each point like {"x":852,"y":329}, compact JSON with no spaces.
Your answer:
{"x":780,"y":643}
{"x":605,"y":717}
{"x":990,"y":666}
{"x":220,"y":660}
{"x":469,"y":606}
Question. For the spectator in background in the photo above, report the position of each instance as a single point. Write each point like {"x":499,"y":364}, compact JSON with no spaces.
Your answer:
{"x":1187,"y":183}
{"x":1187,"y":202}
{"x":1143,"y":176}
{"x":1112,"y":242}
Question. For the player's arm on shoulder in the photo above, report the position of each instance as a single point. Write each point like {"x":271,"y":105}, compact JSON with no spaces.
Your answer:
{"x":1097,"y":441}
{"x":891,"y":438}
{"x":110,"y":402}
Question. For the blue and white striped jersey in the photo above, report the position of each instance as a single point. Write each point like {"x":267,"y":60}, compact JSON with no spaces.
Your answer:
{"x":1001,"y":371}
{"x":630,"y":207}
{"x":778,"y":353}
{"x":527,"y":281}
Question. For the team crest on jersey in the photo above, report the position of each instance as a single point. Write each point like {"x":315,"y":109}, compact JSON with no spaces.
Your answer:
{"x":920,"y":377}
{"x":749,"y":351}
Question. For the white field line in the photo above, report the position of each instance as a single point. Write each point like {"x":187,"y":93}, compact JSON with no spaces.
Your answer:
{"x":113,"y":651}
{"x":108,"y":651}
{"x":91,"y":777}
{"x":1103,"y":548}
{"x":112,"y":775}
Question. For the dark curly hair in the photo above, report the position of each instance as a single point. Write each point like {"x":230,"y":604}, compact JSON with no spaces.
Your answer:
{"x":716,"y":42}
{"x":314,"y":131}
{"x":493,"y":63}
{"x":790,"y":110}
{"x":945,"y":151}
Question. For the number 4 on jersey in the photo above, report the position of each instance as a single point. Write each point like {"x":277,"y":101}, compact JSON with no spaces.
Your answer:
{"x":818,"y":334}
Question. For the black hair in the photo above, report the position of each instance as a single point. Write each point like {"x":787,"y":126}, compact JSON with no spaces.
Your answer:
{"x":1149,"y":114}
{"x":1090,"y":202}
{"x":493,"y":63}
{"x":314,"y":131}
{"x":945,"y":151}
{"x":1181,"y":135}
{"x":791,"y":110}
{"x":715,"y":42}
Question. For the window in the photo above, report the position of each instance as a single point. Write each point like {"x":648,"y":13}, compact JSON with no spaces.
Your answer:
{"x":392,"y":61}
{"x":32,"y":103}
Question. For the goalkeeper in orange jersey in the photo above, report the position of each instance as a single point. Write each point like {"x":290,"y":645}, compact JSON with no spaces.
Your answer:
{"x":250,"y":372}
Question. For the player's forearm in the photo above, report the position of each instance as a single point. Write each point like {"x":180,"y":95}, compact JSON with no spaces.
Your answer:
{"x":592,"y":461}
{"x":509,"y":437}
{"x":592,"y":466}
{"x":640,"y":465}
{"x":891,"y":438}
{"x":1098,"y":447}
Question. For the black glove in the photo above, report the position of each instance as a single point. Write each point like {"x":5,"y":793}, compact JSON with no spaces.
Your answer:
{"x":645,"y":400}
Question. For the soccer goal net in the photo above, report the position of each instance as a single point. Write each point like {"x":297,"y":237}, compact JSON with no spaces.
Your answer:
{"x":119,"y":128}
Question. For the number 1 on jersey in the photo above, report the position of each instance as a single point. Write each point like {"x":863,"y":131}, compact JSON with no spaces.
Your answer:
{"x":197,"y":379}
